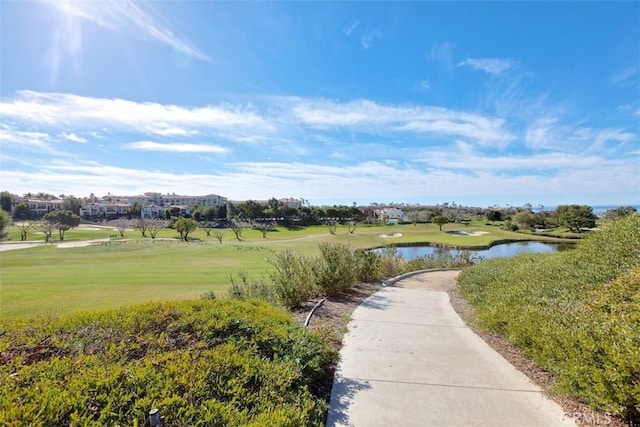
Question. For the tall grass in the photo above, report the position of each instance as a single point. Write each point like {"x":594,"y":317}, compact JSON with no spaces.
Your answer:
{"x":339,"y":267}
{"x":576,"y":313}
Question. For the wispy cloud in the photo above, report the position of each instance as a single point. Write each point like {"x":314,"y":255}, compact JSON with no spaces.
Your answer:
{"x":369,"y":37}
{"x":351,"y":28}
{"x":9,"y":135}
{"x":73,"y":137}
{"x":443,"y":54}
{"x":60,"y":109}
{"x":626,"y":76}
{"x":493,"y":66}
{"x":125,"y":16}
{"x":549,"y":134}
{"x":177,"y":147}
{"x":367,"y":116}
{"x":463,"y":157}
{"x":424,"y":85}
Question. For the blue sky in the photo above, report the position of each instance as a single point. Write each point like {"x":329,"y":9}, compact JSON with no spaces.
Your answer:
{"x":479,"y":103}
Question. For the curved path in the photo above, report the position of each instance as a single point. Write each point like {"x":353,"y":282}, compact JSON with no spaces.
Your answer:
{"x":409,"y":360}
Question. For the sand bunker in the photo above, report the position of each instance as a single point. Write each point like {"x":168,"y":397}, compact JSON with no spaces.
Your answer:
{"x":390,"y":236}
{"x":467,"y":234}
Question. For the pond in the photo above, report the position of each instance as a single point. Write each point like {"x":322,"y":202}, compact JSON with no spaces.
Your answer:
{"x":497,"y":251}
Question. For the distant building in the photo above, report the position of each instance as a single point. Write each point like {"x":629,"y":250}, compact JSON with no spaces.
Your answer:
{"x":39,"y":207}
{"x":153,"y":204}
{"x":391,"y":215}
{"x":103,"y":210}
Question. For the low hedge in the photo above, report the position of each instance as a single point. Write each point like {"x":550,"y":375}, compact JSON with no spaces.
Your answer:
{"x":576,"y":313}
{"x":204,"y":362}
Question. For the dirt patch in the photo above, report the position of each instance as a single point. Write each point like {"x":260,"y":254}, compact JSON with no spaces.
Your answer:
{"x":431,"y":281}
{"x":335,"y":313}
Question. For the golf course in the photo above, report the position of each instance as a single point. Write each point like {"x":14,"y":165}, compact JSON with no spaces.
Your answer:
{"x":120,"y":271}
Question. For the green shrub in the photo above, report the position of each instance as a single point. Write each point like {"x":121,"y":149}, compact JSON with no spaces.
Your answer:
{"x":391,"y":263}
{"x":576,"y":313}
{"x":337,"y":269}
{"x":369,"y":265}
{"x":251,"y":289}
{"x":293,"y":279}
{"x":205,"y":362}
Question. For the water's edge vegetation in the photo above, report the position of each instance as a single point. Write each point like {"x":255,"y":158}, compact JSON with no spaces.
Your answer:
{"x":575,"y":313}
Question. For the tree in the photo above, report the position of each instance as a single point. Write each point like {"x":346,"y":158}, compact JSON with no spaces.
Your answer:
{"x":352,"y":224}
{"x":574,"y":217}
{"x":134,"y":210}
{"x":525,"y":219}
{"x":184,"y":226}
{"x":207,"y":226}
{"x":63,"y":221}
{"x":250,"y":211}
{"x":122,"y":225}
{"x":440,"y":220}
{"x":46,"y":228}
{"x":22,"y":211}
{"x":154,"y":226}
{"x":332,"y":225}
{"x":218,"y":235}
{"x":237,"y":229}
{"x":141,"y":225}
{"x":24,"y":228}
{"x":264,"y":228}
{"x":619,"y":212}
{"x":173,"y":211}
{"x":5,"y":220}
{"x":72,"y":204}
{"x":5,"y":201}
{"x":493,"y":215}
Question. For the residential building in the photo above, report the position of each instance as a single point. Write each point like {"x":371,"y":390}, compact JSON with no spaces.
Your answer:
{"x":391,"y":215}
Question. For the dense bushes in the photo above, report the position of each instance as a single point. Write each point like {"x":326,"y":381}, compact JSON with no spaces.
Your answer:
{"x":296,"y":277}
{"x":206,"y":362}
{"x":576,"y":313}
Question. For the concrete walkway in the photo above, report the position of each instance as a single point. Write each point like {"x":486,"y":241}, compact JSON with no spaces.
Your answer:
{"x":409,"y":360}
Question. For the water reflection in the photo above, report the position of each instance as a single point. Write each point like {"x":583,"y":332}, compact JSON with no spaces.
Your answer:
{"x":498,"y":251}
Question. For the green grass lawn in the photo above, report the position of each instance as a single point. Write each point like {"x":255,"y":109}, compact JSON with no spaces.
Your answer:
{"x":48,"y":279}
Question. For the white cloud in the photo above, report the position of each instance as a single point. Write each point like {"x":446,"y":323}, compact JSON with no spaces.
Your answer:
{"x":375,"y":181}
{"x":73,"y":137}
{"x":548,"y":133}
{"x":125,"y":16}
{"x":177,"y":147}
{"x":519,"y":164}
{"x":9,"y":135}
{"x":164,"y":129}
{"x":493,"y":66}
{"x":58,"y":109}
{"x":368,"y":116}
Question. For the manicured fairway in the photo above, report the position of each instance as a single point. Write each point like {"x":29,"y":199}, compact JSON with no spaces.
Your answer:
{"x":51,"y":279}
